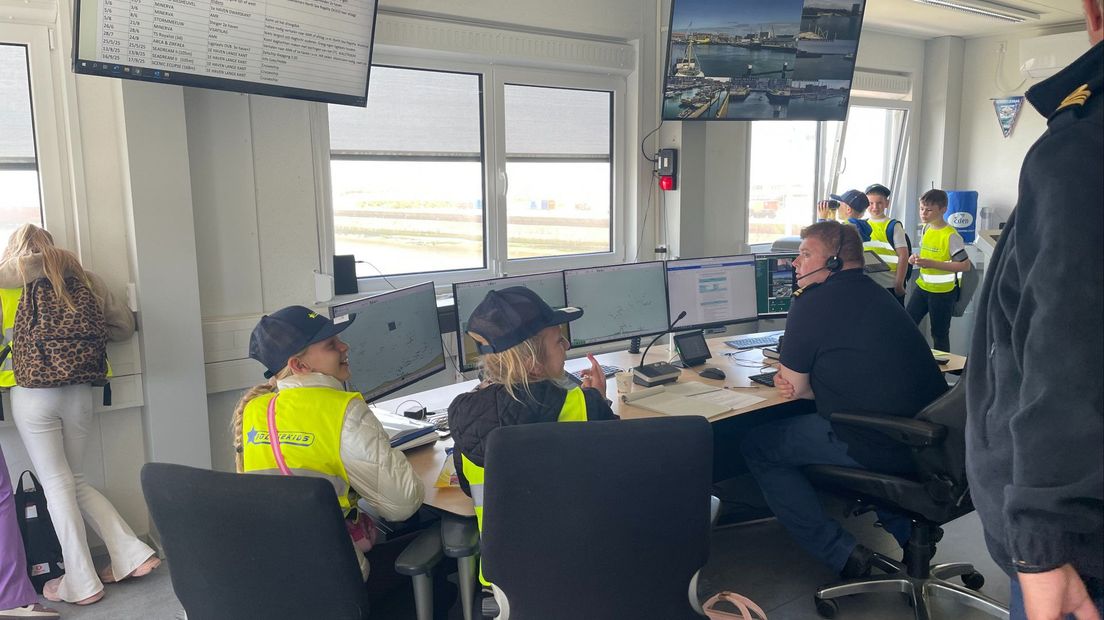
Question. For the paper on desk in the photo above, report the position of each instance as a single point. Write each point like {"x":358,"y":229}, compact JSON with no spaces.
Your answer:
{"x":677,"y":399}
{"x":727,"y":398}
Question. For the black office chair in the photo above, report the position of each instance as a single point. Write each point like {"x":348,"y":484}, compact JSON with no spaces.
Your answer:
{"x":599,"y":520}
{"x":936,"y":494}
{"x":251,"y":546}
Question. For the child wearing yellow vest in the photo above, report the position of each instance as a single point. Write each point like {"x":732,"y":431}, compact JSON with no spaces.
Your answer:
{"x":523,"y":351}
{"x":942,"y":257}
{"x":893,"y":251}
{"x":325,"y":431}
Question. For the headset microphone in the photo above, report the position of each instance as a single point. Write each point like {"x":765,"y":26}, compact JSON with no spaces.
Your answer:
{"x":800,"y":278}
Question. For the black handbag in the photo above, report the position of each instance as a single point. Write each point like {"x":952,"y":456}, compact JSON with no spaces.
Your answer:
{"x":44,"y":560}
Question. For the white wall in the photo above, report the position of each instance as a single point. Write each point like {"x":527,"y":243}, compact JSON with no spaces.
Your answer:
{"x":987,"y":161}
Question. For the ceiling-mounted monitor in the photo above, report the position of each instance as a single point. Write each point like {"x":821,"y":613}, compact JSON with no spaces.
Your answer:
{"x":747,"y":60}
{"x":313,"y":50}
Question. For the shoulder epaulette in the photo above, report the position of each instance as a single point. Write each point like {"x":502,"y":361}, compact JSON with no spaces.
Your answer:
{"x":801,"y":290}
{"x":1077,"y":98}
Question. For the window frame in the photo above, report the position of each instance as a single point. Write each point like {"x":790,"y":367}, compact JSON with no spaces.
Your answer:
{"x":493,"y":79}
{"x":55,"y":195}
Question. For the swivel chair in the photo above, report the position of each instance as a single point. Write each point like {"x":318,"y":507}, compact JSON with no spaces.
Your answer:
{"x":936,"y":494}
{"x":249,"y":546}
{"x":598,"y":520}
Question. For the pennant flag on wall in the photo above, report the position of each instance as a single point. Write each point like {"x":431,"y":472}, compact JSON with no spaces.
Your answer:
{"x":1008,"y":110}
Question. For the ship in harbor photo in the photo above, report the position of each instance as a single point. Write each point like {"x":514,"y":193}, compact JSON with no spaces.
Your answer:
{"x":760,"y":59}
{"x":731,"y":60}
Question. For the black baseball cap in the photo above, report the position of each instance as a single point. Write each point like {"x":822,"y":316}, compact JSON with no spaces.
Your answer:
{"x":854,"y":199}
{"x":878,"y":188}
{"x":288,"y":331}
{"x":510,"y":316}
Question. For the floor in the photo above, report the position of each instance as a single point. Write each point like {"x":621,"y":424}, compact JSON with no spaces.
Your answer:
{"x":757,"y":560}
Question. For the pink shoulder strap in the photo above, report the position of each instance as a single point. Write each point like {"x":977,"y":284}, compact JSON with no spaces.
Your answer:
{"x":274,"y":437}
{"x":748,"y":610}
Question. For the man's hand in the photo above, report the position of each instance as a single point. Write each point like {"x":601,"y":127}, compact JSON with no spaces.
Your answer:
{"x":899,"y":290}
{"x":1054,"y":594}
{"x":593,"y":377}
{"x":785,"y":388}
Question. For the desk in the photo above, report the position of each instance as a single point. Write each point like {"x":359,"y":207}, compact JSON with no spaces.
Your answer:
{"x":427,"y":460}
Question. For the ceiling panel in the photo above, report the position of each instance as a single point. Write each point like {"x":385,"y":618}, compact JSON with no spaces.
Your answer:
{"x":915,"y":19}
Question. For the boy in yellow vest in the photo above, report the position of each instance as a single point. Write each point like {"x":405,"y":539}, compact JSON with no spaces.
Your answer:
{"x":894,"y":251}
{"x":942,"y":257}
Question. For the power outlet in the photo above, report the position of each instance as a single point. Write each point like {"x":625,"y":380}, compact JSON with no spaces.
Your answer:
{"x":667,"y":162}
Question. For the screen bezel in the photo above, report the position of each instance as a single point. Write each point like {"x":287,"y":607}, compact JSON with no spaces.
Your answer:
{"x":666,"y":303}
{"x":455,"y":301}
{"x":691,"y":326}
{"x":776,"y":315}
{"x":349,"y":307}
{"x":846,"y":107}
{"x":225,"y":84}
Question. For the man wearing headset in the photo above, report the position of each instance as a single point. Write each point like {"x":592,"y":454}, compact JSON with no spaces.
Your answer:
{"x":842,"y":328}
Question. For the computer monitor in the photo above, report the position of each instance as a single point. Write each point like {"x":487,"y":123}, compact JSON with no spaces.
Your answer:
{"x":394,"y":341}
{"x":618,"y":302}
{"x":775,"y":282}
{"x":467,"y":295}
{"x":712,"y":291}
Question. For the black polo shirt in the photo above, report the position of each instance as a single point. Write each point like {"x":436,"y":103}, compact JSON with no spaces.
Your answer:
{"x":862,"y":352}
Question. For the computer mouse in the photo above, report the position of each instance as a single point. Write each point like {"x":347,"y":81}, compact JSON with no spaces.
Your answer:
{"x":712,"y":373}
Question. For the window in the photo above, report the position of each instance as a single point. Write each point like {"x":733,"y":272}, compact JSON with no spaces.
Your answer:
{"x":483,"y":172}
{"x":781,"y":199}
{"x":870,"y":148}
{"x":20,"y":200}
{"x":558,"y":171}
{"x":406,"y":173}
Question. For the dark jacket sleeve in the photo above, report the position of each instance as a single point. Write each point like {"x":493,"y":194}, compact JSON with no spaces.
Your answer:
{"x":1055,"y":497}
{"x":597,"y":407}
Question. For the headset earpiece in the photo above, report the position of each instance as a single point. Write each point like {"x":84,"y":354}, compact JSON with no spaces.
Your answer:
{"x":834,"y":264}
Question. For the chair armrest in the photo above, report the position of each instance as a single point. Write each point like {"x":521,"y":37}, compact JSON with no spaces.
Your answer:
{"x":460,"y":536}
{"x":421,"y":555}
{"x":908,"y":431}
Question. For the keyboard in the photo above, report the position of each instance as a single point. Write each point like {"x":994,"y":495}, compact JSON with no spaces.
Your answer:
{"x":766,"y":378}
{"x":608,"y":371}
{"x":752,"y":342}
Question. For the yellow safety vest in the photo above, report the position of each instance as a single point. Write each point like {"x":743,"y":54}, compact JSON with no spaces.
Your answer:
{"x":573,"y":410}
{"x":9,"y":302}
{"x":936,"y":245}
{"x":309,"y":421}
{"x":880,"y":244}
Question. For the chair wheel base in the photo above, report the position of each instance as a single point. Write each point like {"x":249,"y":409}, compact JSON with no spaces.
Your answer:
{"x":826,"y":608}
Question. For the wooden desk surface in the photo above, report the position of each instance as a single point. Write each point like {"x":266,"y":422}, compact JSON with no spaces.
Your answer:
{"x":738,"y":365}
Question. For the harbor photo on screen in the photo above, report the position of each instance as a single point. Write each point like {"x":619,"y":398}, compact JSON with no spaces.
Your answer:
{"x":761,"y":59}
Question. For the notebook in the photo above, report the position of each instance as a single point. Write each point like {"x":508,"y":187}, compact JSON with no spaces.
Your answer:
{"x":690,"y":398}
{"x":404,"y":432}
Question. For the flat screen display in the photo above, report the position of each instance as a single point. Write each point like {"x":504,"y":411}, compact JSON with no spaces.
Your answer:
{"x":618,"y":302}
{"x":468,"y":295}
{"x":712,"y":291}
{"x":394,"y":341}
{"x":318,"y":50}
{"x":761,"y":59}
{"x":775,"y":282}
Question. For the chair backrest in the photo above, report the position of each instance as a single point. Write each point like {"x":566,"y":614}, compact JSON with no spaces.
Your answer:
{"x":600,"y":519}
{"x":948,"y":459}
{"x":254,"y":546}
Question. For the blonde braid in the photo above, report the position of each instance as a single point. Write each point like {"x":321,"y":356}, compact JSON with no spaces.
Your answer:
{"x":236,"y":421}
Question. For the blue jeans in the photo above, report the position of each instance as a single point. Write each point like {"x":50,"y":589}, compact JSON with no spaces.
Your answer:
{"x":775,"y":453}
{"x":1016,"y":604}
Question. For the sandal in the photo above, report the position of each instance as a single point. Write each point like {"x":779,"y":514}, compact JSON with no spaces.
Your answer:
{"x":145,"y":568}
{"x":50,"y":593}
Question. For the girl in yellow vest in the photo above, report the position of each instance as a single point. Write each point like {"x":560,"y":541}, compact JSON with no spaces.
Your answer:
{"x":324,"y":431}
{"x":942,"y":257}
{"x":523,"y":351}
{"x":54,"y":423}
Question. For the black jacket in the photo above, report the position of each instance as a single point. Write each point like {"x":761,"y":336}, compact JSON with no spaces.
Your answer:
{"x":1034,"y":389}
{"x":473,"y":415}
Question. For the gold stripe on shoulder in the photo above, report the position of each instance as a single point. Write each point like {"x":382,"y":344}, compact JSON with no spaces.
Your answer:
{"x":1077,"y":97}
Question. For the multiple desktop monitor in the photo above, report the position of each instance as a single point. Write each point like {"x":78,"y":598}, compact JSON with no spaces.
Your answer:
{"x":396,"y":339}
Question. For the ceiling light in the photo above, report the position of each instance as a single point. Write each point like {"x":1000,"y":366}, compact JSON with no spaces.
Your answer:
{"x":981,"y":8}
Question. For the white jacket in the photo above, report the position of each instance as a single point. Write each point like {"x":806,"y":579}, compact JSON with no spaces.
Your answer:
{"x":378,"y":472}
